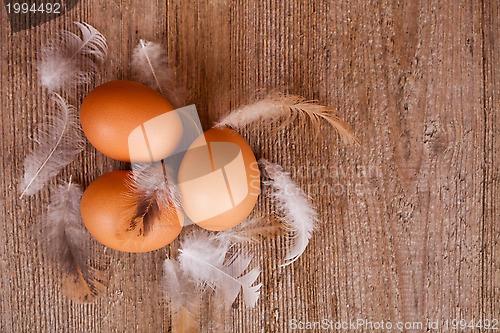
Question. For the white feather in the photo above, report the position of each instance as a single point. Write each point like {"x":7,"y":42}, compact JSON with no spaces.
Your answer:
{"x":63,"y":236}
{"x":298,"y":215}
{"x":184,"y":297}
{"x":71,"y":59}
{"x":284,"y":109}
{"x":150,"y":66}
{"x":59,"y":141}
{"x":204,"y":259}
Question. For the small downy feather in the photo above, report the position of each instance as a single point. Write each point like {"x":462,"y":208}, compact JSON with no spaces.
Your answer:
{"x":205,"y":260}
{"x":298,"y":214}
{"x":150,"y":66}
{"x":184,"y":298}
{"x":71,"y":59}
{"x":250,"y":230}
{"x":63,"y":236}
{"x":283,"y":109}
{"x":59,"y":141}
{"x":152,"y":194}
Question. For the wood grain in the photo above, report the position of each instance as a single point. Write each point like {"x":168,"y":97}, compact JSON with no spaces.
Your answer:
{"x":410,"y":228}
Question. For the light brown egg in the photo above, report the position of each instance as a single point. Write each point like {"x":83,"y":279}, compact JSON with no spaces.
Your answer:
{"x":109,"y":211}
{"x":219,"y":180}
{"x":130,"y":122}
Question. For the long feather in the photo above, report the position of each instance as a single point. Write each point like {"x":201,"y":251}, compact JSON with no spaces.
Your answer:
{"x":204,"y":259}
{"x":250,"y":230}
{"x":71,"y":59}
{"x":184,"y":298}
{"x":59,"y":141}
{"x":283,"y":109}
{"x":298,"y":214}
{"x":63,"y":236}
{"x":150,"y":66}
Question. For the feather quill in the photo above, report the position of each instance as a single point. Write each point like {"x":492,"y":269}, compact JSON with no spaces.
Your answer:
{"x":283,"y":109}
{"x":63,"y":236}
{"x":298,"y":214}
{"x":150,"y":66}
{"x":71,"y":59}
{"x":59,"y":141}
{"x":184,"y":298}
{"x":204,"y":259}
{"x":250,"y":230}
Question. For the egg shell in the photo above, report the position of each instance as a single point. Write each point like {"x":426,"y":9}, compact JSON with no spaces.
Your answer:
{"x":130,"y":122}
{"x":107,"y":209}
{"x":219,"y":180}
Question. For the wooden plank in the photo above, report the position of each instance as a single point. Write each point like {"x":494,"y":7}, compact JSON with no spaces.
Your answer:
{"x":409,"y":227}
{"x":490,"y":302}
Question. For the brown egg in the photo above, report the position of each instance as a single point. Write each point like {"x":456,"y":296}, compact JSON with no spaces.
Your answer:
{"x":109,"y":208}
{"x":219,"y":180}
{"x":130,"y":122}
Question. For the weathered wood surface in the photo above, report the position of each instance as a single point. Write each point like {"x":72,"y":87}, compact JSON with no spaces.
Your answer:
{"x":410,"y":228}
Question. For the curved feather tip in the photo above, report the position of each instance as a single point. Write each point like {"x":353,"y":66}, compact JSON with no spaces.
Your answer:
{"x":150,"y":66}
{"x":71,"y":59}
{"x":298,"y":215}
{"x":282,"y":110}
{"x":59,"y":141}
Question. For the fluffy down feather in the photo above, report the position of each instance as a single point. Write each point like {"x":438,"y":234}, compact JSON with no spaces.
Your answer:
{"x":184,"y":298}
{"x":150,"y":66}
{"x":151,"y":193}
{"x":63,"y":237}
{"x":298,"y":214}
{"x":205,"y":260}
{"x":252,"y":229}
{"x":71,"y":59}
{"x":59,"y":141}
